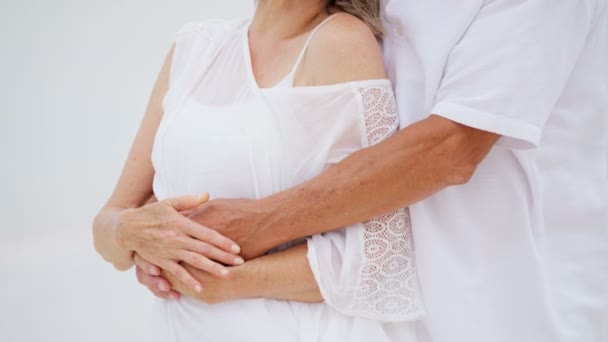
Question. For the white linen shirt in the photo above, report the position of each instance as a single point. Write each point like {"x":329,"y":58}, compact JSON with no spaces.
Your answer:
{"x":520,"y":253}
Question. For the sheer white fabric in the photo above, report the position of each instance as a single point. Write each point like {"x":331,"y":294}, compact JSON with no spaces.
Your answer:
{"x":372,"y":272}
{"x":222,"y":134}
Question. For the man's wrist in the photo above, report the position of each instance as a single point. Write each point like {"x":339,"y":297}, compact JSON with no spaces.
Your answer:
{"x":270,"y":232}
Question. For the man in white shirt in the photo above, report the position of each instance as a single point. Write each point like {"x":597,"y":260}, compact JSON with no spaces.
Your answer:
{"x":518,"y":249}
{"x":530,"y":71}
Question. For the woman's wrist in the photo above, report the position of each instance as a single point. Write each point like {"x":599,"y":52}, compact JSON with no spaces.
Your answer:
{"x":121,"y":242}
{"x":239,"y":285}
{"x":284,"y":275}
{"x":106,"y":244}
{"x":120,"y":228}
{"x":243,"y":284}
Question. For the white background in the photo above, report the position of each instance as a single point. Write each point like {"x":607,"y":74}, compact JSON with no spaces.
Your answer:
{"x":74,"y":80}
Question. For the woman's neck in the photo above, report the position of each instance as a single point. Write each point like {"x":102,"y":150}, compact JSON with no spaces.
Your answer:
{"x":284,"y":19}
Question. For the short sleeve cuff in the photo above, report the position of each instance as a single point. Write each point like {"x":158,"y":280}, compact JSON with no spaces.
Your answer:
{"x":515,"y":134}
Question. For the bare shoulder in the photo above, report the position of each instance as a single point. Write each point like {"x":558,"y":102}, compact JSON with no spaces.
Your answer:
{"x":344,"y":50}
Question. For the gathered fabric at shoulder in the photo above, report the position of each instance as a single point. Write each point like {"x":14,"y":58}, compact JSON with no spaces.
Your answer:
{"x":194,"y":46}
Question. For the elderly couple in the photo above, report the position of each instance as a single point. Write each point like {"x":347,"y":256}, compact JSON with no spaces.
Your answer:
{"x":399,"y":170}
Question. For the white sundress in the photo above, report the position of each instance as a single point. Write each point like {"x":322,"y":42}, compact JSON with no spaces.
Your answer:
{"x":223,"y":134}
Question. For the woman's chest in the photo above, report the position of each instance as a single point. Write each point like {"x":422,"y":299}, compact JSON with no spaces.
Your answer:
{"x":240,"y":150}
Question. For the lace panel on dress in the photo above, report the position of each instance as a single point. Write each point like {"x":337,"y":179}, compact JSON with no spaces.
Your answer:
{"x":388,"y":282}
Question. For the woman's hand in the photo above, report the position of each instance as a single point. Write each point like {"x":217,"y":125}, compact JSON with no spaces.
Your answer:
{"x":285,"y":275}
{"x":160,"y":234}
{"x":150,"y":276}
{"x":217,"y":290}
{"x":165,"y":285}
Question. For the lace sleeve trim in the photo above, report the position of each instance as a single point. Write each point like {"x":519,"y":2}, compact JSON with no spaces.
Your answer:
{"x":380,"y":112}
{"x":388,"y":286}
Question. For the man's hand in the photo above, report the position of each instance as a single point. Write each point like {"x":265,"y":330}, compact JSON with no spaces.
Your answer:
{"x":418,"y":161}
{"x":240,"y":220}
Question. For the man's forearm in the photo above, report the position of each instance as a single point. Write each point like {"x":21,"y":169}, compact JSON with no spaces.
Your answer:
{"x":411,"y":165}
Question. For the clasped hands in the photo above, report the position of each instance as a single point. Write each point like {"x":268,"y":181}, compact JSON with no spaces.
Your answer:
{"x":190,"y":245}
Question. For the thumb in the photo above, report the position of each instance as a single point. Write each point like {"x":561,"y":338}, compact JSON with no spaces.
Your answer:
{"x":187,"y":202}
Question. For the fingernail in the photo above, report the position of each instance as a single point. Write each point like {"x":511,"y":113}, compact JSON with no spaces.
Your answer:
{"x":239,"y":261}
{"x":236,"y":249}
{"x":198,"y":288}
{"x":163,"y":287}
{"x":153,"y":271}
{"x":224,"y":272}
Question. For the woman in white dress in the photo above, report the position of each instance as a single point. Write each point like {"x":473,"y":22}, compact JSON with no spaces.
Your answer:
{"x":224,"y":119}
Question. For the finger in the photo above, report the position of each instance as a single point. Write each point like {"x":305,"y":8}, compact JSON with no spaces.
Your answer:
{"x":154,"y":284}
{"x":204,"y":264}
{"x":168,"y":295}
{"x":174,"y":295}
{"x":146,"y":266}
{"x":188,"y":212}
{"x":162,"y":295}
{"x":210,"y":236}
{"x":184,"y":276}
{"x":187,"y":202}
{"x":213,"y":252}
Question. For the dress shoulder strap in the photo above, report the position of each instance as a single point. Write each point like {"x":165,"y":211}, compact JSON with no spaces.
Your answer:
{"x":289,"y":79}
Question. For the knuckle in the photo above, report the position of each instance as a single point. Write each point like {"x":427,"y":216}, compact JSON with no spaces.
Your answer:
{"x":151,"y":286}
{"x":159,"y":294}
{"x":190,"y":259}
{"x":141,"y":263}
{"x":139,"y":276}
{"x":169,"y":221}
{"x":204,"y":249}
{"x":169,"y":235}
{"x":171,"y":268}
{"x":212,"y":266}
{"x":202,"y":232}
{"x":181,"y":274}
{"x":222,"y":241}
{"x":198,"y":261}
{"x":212,"y":206}
{"x":176,"y":271}
{"x":208,"y":264}
{"x":148,"y":282}
{"x":215,"y":235}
